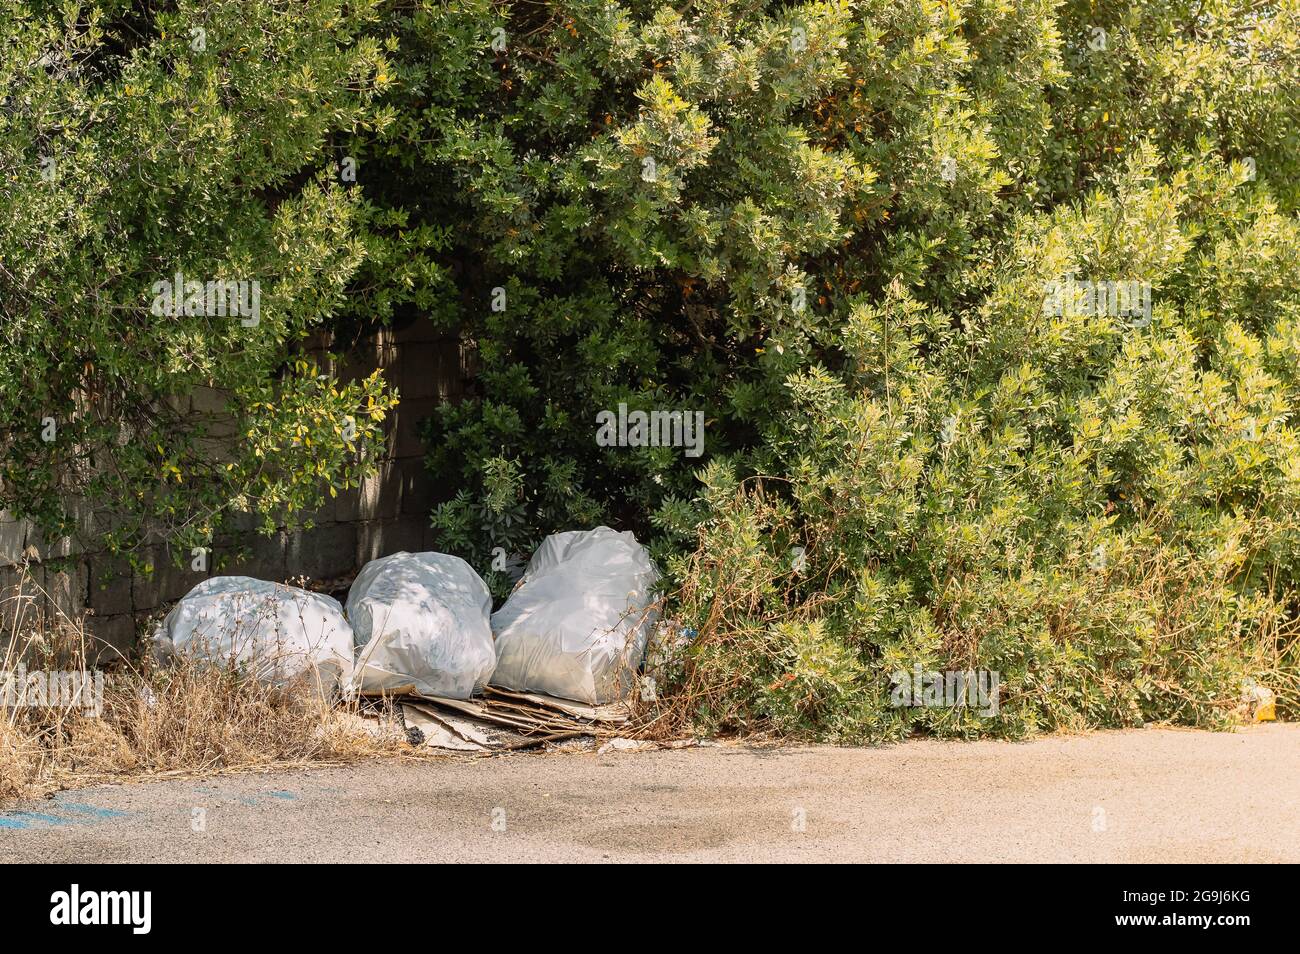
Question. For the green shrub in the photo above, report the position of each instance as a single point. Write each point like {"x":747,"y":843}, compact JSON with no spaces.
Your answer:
{"x":1100,"y":507}
{"x":138,"y":141}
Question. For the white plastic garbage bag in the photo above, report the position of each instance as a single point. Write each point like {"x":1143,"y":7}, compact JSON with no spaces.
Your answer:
{"x":281,"y":633}
{"x":422,"y":625}
{"x":577,"y":624}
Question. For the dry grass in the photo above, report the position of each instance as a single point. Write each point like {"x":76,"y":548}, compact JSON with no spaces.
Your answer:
{"x":184,"y":719}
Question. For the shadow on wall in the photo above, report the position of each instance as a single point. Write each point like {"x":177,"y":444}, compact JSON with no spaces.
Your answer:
{"x":388,"y":513}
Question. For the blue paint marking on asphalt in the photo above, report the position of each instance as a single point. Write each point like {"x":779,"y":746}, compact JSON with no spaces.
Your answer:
{"x":24,"y":817}
{"x":81,"y":808}
{"x":81,"y":813}
{"x":262,"y":796}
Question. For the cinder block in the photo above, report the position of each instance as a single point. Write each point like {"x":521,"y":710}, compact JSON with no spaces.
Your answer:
{"x":422,"y":329}
{"x":370,"y":355}
{"x":238,"y":523}
{"x":109,"y":587}
{"x":345,"y":508}
{"x":380,"y":495}
{"x":429,"y":369}
{"x":410,"y":416}
{"x":114,"y":637}
{"x":387,"y":448}
{"x":12,"y":596}
{"x":419,"y":490}
{"x":44,"y":548}
{"x":9,"y":577}
{"x":13,"y":536}
{"x":205,"y":400}
{"x":166,"y":583}
{"x":65,"y":590}
{"x":381,"y":538}
{"x":370,"y":541}
{"x":322,"y":552}
{"x":406,"y":535}
{"x":22,"y":603}
{"x":262,"y":557}
{"x":89,"y":535}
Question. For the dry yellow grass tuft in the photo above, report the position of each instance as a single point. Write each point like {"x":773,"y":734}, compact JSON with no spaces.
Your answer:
{"x":185,"y":718}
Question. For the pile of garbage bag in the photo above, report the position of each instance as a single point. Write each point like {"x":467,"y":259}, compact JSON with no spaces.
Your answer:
{"x":575,"y":627}
{"x":577,"y":623}
{"x":420,"y":622}
{"x":279,"y":633}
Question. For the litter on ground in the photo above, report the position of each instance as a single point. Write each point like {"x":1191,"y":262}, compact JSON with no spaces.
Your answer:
{"x":577,"y":624}
{"x":501,"y":720}
{"x":280,"y":633}
{"x":555,"y":665}
{"x":421,"y":622}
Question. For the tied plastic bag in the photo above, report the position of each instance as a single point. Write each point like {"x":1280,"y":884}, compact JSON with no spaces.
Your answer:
{"x":422,"y":625}
{"x":577,"y":624}
{"x":280,"y":633}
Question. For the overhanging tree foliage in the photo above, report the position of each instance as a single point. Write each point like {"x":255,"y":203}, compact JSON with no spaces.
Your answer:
{"x":146,"y":145}
{"x":835,"y":228}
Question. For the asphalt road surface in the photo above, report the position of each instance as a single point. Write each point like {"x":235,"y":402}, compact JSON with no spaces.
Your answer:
{"x":1134,"y":796}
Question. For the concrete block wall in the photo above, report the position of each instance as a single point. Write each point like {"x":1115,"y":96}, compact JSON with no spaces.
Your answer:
{"x":388,"y":513}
